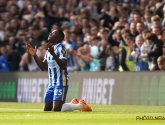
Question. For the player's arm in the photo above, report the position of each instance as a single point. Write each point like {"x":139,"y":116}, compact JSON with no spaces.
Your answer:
{"x":41,"y":64}
{"x":61,"y":62}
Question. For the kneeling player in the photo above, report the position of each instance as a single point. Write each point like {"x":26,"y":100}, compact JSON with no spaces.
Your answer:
{"x":55,"y":61}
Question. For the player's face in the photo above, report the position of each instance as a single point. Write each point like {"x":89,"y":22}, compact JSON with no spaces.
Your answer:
{"x":53,"y":36}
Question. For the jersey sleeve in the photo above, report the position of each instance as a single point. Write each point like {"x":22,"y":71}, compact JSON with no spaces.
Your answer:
{"x":61,"y":52}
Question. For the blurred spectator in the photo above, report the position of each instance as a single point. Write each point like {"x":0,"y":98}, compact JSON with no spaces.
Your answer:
{"x":102,"y":48}
{"x":85,"y":31}
{"x":147,"y":17}
{"x":163,"y":35}
{"x":155,"y":52}
{"x":14,"y":58}
{"x":133,"y":29}
{"x":137,"y":16}
{"x":2,"y":33}
{"x":94,"y":31}
{"x":143,"y":4}
{"x":125,"y":58}
{"x":84,"y":58}
{"x":155,"y":20}
{"x":143,"y":51}
{"x":161,"y":62}
{"x":140,"y":65}
{"x":42,"y":49}
{"x":156,"y":30}
{"x":4,"y":63}
{"x":23,"y":24}
{"x":84,"y":66}
{"x":94,"y":52}
{"x":71,"y":49}
{"x":38,"y":35}
{"x":75,"y":38}
{"x":163,"y":50}
{"x":19,"y":42}
{"x":28,"y":60}
{"x":140,"y":27}
{"x":109,"y":60}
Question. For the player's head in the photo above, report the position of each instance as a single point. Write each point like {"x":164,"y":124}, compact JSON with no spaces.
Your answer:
{"x":56,"y":36}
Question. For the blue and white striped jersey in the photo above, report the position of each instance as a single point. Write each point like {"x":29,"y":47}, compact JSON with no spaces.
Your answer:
{"x":57,"y":76}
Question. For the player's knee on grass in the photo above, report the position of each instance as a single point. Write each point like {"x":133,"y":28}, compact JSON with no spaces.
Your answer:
{"x":57,"y":105}
{"x":48,"y":106}
{"x":57,"y":109}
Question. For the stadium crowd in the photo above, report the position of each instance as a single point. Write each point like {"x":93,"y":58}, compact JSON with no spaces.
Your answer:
{"x":100,"y":35}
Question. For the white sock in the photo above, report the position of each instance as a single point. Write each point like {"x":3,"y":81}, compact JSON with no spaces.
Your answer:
{"x":71,"y":107}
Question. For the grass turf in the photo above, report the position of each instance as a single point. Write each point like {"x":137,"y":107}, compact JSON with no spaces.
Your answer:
{"x":32,"y":114}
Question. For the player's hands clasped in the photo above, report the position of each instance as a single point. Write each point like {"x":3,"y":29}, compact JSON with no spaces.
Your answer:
{"x":31,"y":50}
{"x":50,"y":48}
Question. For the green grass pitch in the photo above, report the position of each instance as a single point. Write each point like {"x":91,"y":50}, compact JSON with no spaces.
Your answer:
{"x":32,"y":114}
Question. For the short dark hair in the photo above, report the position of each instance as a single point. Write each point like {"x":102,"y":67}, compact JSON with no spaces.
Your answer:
{"x":151,"y":36}
{"x":93,"y":20}
{"x":2,"y":44}
{"x":61,"y":33}
{"x":102,"y":30}
{"x":125,"y":31}
{"x":148,"y":11}
{"x":128,"y":36}
{"x":87,"y":26}
{"x":146,"y":31}
{"x":96,"y":38}
{"x":85,"y":18}
{"x":136,"y":12}
{"x":36,"y":27}
{"x":74,"y":32}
